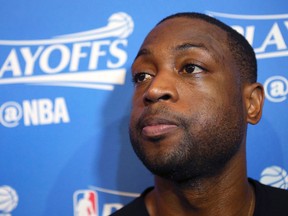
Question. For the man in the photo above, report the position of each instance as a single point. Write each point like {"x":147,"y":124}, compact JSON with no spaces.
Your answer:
{"x":195,"y":92}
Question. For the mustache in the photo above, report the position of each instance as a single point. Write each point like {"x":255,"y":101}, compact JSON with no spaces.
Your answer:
{"x":164,"y":114}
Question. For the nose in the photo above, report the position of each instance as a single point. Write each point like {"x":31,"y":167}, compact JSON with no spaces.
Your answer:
{"x":162,"y":88}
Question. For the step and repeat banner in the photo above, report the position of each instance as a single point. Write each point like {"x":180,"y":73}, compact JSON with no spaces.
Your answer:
{"x":65,"y":98}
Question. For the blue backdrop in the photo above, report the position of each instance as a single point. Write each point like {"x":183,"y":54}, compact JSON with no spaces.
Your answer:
{"x":65,"y":93}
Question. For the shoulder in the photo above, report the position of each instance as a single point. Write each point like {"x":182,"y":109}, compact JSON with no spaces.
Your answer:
{"x":270,"y":200}
{"x":136,"y":207}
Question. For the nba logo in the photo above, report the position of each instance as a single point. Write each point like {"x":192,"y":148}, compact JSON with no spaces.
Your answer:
{"x":85,"y":203}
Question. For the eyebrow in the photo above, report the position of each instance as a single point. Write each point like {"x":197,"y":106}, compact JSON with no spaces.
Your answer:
{"x":181,"y":47}
{"x":142,"y":52}
{"x":186,"y":46}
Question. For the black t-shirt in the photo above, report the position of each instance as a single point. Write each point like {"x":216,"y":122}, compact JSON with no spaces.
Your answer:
{"x":270,"y":201}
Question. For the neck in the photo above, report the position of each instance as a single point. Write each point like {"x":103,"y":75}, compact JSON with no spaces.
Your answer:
{"x":228,"y":193}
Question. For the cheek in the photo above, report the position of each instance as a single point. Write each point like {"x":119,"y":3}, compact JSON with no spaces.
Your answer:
{"x":218,"y":96}
{"x":137,"y":109}
{"x":137,"y":99}
{"x":134,"y":115}
{"x":198,"y":99}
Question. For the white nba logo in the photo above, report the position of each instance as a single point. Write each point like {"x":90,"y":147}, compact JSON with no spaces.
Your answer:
{"x":85,"y":203}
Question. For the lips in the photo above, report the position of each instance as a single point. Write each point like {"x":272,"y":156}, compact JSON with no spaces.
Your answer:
{"x":157,"y":127}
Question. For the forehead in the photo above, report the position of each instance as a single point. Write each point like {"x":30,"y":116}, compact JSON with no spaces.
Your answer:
{"x":182,"y":30}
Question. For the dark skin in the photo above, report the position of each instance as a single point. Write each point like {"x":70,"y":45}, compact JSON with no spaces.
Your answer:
{"x":185,"y":67}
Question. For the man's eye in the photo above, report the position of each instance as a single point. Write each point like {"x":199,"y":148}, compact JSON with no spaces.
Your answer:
{"x":191,"y":68}
{"x":141,"y":77}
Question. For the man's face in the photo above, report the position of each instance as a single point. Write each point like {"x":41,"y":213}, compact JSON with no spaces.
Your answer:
{"x":187,"y":119}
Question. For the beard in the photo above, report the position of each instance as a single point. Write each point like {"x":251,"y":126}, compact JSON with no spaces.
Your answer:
{"x":201,"y":148}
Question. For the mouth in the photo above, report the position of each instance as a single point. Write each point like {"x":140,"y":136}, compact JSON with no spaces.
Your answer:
{"x":155,"y":128}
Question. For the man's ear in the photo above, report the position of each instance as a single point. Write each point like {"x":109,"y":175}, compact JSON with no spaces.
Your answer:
{"x":254,"y":100}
